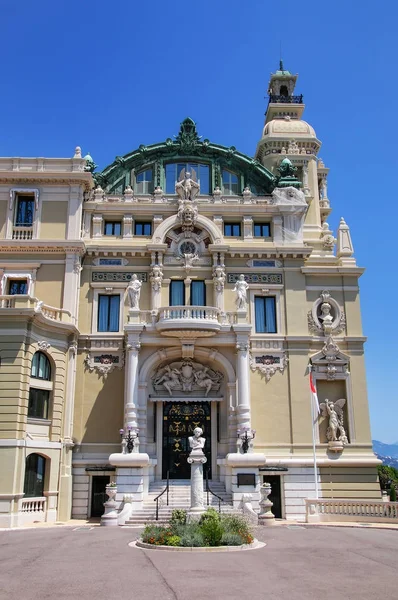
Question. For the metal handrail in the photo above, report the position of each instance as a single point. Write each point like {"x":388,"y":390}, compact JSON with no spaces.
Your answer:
{"x":208,"y":490}
{"x":166,"y":489}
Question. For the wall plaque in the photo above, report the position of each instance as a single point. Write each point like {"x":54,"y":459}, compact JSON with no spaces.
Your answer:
{"x":247,"y":479}
{"x":119,"y":276}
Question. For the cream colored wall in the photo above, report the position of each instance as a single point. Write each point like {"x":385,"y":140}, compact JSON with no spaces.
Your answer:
{"x":54,"y":217}
{"x":50,"y":284}
{"x":99,"y":405}
{"x":296,"y":306}
{"x":270,"y":407}
{"x":349,"y":482}
{"x":13,"y":383}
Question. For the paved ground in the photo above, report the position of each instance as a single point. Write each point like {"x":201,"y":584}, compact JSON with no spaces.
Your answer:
{"x":298,"y":563}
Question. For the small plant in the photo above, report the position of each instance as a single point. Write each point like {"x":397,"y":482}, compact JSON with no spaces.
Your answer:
{"x":174,"y":540}
{"x":192,"y":539}
{"x":178,"y":517}
{"x":210,"y":515}
{"x":393,"y":493}
{"x":154,"y":534}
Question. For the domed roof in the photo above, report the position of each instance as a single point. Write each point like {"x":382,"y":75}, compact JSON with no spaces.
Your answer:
{"x":287,"y":126}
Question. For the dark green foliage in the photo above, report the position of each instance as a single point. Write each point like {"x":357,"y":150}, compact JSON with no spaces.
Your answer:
{"x":386,"y":476}
{"x":231,"y":539}
{"x":194,"y":539}
{"x":393,"y":493}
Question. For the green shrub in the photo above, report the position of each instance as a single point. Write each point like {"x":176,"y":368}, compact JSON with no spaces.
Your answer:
{"x":178,"y":517}
{"x":174,"y":540}
{"x":194,"y":539}
{"x":231,"y":539}
{"x":212,"y":531}
{"x":393,"y":493}
{"x":210,"y":515}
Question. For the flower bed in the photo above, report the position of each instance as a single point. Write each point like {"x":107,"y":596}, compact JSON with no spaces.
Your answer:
{"x":210,"y":530}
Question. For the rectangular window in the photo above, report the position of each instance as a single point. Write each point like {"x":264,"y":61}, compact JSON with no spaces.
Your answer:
{"x":144,"y":182}
{"x":108,"y":312}
{"x":24,"y":211}
{"x":262,"y":230}
{"x":232,"y":229}
{"x":17,"y":286}
{"x":113,"y":228}
{"x":38,"y":403}
{"x":198,"y":293}
{"x":143,"y":228}
{"x":177,"y":293}
{"x":265,"y":314}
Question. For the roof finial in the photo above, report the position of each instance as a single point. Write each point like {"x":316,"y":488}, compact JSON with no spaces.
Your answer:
{"x":281,"y":65}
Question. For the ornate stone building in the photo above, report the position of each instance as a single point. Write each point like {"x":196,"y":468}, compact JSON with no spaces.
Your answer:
{"x":185,"y":285}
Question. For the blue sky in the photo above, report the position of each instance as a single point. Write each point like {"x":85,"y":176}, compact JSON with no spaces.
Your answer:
{"x":111,"y":76}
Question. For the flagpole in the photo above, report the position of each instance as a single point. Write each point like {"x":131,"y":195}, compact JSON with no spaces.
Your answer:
{"x":313,"y":421}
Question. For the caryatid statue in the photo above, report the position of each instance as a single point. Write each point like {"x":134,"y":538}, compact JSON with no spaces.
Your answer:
{"x":187,"y":188}
{"x":241,"y":287}
{"x":134,"y":292}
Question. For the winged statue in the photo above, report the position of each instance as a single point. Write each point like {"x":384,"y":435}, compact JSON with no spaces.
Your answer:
{"x":334,"y":411}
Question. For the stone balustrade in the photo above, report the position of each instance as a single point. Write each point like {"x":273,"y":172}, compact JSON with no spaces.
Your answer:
{"x":351,"y":510}
{"x":22,"y":301}
{"x":208,"y":313}
{"x":22,"y":233}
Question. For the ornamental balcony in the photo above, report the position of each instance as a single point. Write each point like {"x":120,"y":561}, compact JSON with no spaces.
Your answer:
{"x":274,"y":99}
{"x":192,"y":321}
{"x":22,"y":233}
{"x":21,"y":303}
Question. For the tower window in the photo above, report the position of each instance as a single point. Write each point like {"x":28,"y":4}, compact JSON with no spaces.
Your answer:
{"x":230,"y":183}
{"x":284,"y":90}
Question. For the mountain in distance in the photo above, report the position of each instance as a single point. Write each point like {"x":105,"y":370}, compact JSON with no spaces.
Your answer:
{"x":388,"y":453}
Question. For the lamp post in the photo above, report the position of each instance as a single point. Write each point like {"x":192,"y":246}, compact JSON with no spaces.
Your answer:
{"x":129,"y":438}
{"x":245,"y":435}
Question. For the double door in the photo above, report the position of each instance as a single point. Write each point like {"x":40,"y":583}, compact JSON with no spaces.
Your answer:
{"x":179,"y":421}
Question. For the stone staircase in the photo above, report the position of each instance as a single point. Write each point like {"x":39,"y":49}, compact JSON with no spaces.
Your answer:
{"x":179,"y":497}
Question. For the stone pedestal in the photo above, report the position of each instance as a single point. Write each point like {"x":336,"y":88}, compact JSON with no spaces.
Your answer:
{"x":197,"y":459}
{"x":266,"y":517}
{"x":109,"y":518}
{"x":335,"y":446}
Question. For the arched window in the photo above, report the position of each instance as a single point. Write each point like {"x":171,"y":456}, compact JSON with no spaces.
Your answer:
{"x":199,"y":172}
{"x":144,"y":182}
{"x":230,"y":183}
{"x":40,"y":387}
{"x":35,"y":469}
{"x":41,"y":368}
{"x":284,"y":90}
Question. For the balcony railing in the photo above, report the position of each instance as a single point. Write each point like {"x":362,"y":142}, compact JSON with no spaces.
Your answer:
{"x":207,"y":313}
{"x":22,"y":233}
{"x":22,"y":301}
{"x":273,"y":98}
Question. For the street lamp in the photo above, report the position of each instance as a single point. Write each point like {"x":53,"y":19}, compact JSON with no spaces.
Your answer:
{"x":245,"y":435}
{"x":129,"y":438}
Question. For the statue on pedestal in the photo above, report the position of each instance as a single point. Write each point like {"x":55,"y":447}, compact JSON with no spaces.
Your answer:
{"x":241,"y":287}
{"x":197,"y":442}
{"x":197,"y":459}
{"x":134,"y":292}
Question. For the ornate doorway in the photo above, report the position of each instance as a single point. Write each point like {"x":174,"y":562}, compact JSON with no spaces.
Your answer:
{"x":179,"y":421}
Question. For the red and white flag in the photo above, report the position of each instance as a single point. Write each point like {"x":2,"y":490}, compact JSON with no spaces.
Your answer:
{"x":314,"y":395}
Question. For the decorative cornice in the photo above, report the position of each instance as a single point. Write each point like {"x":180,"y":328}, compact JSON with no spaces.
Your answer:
{"x":36,"y":246}
{"x":83,"y":179}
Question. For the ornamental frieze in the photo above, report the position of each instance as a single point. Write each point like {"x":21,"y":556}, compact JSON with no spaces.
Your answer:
{"x":256,"y":277}
{"x":119,"y":276}
{"x":269,"y":364}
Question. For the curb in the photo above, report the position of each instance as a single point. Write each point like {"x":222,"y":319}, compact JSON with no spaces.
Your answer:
{"x":255,"y":545}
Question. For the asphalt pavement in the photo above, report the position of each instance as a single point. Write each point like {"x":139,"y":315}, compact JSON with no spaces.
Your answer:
{"x":297,"y":563}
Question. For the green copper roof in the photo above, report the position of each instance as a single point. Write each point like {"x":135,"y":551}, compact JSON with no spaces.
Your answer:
{"x":281,"y":72}
{"x":188,"y":146}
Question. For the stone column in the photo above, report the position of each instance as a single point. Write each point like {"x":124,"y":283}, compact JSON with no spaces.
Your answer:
{"x":131,"y":384}
{"x":306,"y":187}
{"x":242,"y":377}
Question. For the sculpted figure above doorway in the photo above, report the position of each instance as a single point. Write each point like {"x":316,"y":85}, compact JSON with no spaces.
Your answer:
{"x":186,"y":376}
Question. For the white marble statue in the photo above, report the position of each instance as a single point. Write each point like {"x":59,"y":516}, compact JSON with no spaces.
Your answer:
{"x":170,"y":379}
{"x":197,"y":442}
{"x":219,"y":279}
{"x":241,"y":287}
{"x":203,"y":380}
{"x":187,"y":188}
{"x":334,"y":411}
{"x":134,"y":292}
{"x":156,"y":278}
{"x":325,"y":317}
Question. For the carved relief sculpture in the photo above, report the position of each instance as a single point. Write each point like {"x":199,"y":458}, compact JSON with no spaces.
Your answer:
{"x":269,"y":364}
{"x":187,"y":376}
{"x":156,"y":278}
{"x":134,"y":292}
{"x":219,"y":284}
{"x":241,"y":287}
